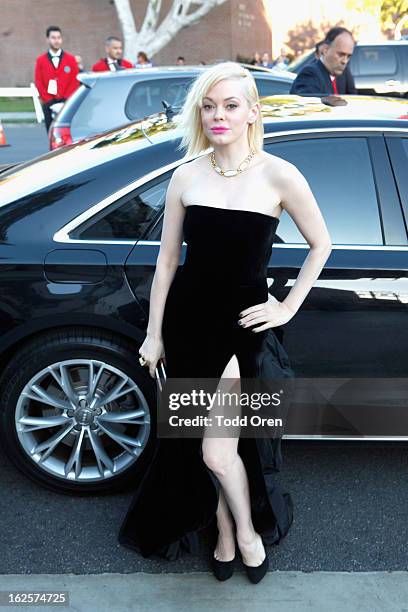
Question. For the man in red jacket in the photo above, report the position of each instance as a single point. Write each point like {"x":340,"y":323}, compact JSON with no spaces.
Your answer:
{"x":55,"y":73}
{"x":113,"y":60}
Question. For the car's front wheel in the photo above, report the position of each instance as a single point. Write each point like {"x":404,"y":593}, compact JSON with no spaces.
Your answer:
{"x":76,"y":410}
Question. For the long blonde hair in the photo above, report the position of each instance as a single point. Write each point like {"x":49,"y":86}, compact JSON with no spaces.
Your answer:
{"x":194,"y":140}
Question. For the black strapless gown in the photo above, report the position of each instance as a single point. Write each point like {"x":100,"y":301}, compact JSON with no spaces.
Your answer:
{"x":225,"y":271}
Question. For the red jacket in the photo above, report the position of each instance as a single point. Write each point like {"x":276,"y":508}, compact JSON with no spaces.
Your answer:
{"x":65,"y":75}
{"x":102,"y":65}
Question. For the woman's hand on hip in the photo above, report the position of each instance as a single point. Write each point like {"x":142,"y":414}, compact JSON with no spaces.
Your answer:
{"x":265,"y":315}
{"x":151,"y":350}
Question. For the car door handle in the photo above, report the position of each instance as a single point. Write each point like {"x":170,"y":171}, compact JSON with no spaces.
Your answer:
{"x":392,"y":82}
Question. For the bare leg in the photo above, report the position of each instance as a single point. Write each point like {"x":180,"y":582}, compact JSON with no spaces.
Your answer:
{"x":221,"y":456}
{"x":225,"y":548}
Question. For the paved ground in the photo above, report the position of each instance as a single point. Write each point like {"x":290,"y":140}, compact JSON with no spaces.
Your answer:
{"x":195,"y":592}
{"x":25,"y":142}
{"x":350,"y":503}
{"x":10,"y":117}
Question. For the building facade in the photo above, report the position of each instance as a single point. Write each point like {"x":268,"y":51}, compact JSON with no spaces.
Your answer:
{"x":236,"y":28}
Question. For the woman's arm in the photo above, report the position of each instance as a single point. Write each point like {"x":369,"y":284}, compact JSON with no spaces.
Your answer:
{"x":166,"y":266}
{"x":298,"y":200}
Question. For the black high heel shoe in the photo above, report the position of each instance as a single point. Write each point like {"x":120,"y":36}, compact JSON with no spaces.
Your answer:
{"x":222,"y":569}
{"x":255,"y":574}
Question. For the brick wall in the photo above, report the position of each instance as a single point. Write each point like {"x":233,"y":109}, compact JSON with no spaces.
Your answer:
{"x":238,"y":26}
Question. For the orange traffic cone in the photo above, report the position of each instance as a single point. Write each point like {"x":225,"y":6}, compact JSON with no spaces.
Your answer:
{"x":3,"y":142}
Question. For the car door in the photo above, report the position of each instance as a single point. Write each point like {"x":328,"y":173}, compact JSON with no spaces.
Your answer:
{"x":397,"y":146}
{"x":352,"y":323}
{"x":110,"y":230}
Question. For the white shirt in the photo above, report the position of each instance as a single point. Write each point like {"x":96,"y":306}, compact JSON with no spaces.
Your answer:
{"x":55,"y":57}
{"x":112,"y":64}
{"x":330,"y":75}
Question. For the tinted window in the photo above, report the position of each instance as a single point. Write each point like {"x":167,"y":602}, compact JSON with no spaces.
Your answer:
{"x":340,"y":176}
{"x":377,"y":60}
{"x":270,"y":87}
{"x":145,"y":98}
{"x":353,"y":64}
{"x":103,"y":108}
{"x":305,"y":58}
{"x":129,"y":217}
{"x":405,"y":145}
{"x":72,"y":104}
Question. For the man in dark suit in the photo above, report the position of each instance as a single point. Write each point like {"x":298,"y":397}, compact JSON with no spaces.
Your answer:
{"x":329,"y":74}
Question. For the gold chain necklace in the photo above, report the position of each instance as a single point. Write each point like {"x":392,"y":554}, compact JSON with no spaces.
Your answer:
{"x":231,"y":172}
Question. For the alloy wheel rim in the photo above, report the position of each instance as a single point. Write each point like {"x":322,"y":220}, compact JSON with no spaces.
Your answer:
{"x":82,"y":420}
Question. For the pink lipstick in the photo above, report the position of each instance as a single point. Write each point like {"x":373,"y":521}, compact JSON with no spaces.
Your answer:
{"x":219,"y":130}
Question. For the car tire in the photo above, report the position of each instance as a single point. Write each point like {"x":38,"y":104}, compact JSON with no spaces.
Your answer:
{"x":41,"y":384}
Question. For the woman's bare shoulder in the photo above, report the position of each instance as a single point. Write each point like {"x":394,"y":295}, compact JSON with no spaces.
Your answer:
{"x":187,"y":169}
{"x":278,"y":166}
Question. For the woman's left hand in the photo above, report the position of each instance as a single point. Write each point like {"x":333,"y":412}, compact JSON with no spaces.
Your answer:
{"x":271,"y":314}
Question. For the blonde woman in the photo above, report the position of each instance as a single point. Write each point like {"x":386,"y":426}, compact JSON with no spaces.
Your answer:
{"x":209,"y":316}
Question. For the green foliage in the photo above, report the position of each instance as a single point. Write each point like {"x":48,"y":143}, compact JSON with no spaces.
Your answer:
{"x":390,"y":11}
{"x":364,"y":6}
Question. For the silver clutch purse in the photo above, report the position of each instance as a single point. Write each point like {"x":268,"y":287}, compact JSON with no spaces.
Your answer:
{"x":160,"y":373}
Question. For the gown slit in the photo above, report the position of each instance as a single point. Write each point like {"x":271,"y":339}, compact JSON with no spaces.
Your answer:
{"x":178,"y":495}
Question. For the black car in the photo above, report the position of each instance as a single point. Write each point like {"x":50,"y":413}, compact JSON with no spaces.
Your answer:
{"x":377,"y":68}
{"x":106,"y":100}
{"x":80,"y":233}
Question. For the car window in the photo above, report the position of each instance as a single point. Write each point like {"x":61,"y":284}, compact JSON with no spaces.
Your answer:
{"x":377,"y":60}
{"x":270,"y":87}
{"x":340,"y":176}
{"x":129,"y":218}
{"x":72,"y":104}
{"x":353,"y":64}
{"x":145,"y":97}
{"x":102,"y":109}
{"x":305,"y":58}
